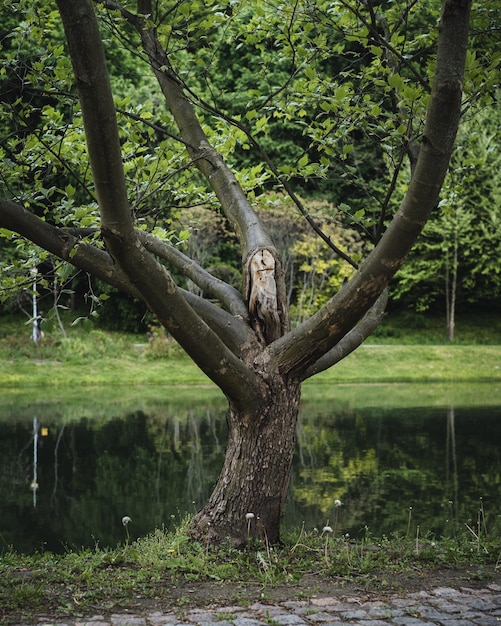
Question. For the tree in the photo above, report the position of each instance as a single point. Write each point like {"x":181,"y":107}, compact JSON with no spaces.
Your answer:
{"x":454,"y":262}
{"x":241,"y":339}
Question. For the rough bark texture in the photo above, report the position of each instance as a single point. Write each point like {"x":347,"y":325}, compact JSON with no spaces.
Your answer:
{"x":255,"y":476}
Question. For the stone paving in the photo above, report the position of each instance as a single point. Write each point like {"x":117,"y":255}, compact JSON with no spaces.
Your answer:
{"x":442,"y":606}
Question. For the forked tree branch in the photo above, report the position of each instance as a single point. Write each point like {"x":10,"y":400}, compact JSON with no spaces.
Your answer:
{"x":149,"y":277}
{"x":300,"y":349}
{"x":352,"y":340}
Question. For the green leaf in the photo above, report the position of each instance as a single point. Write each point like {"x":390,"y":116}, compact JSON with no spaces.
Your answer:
{"x":395,"y":81}
{"x":310,"y":72}
{"x":261,"y":123}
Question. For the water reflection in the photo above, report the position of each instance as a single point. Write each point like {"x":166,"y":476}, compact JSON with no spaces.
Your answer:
{"x":383,"y":463}
{"x":393,"y":467}
{"x":34,"y":482}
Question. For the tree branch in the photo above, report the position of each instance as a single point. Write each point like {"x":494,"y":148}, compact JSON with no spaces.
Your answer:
{"x":302,"y":347}
{"x":213,"y":287}
{"x":353,"y":339}
{"x":63,"y":244}
{"x":232,"y":198}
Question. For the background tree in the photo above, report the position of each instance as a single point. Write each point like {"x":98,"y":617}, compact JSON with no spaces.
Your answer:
{"x":240,"y":338}
{"x":454,"y":262}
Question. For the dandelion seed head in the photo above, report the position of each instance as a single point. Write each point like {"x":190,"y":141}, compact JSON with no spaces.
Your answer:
{"x":326,"y":529}
{"x":337,"y":503}
{"x":126,"y":520}
{"x":249,"y":516}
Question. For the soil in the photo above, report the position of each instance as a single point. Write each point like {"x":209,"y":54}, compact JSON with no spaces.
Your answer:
{"x":185,"y":595}
{"x":380,"y":585}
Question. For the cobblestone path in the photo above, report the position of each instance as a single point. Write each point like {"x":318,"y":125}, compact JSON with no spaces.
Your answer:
{"x":442,"y":606}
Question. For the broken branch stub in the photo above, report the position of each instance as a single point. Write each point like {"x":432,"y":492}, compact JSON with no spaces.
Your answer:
{"x":262,"y":294}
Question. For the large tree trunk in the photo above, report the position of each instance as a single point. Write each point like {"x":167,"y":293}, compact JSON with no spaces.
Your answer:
{"x":249,"y":497}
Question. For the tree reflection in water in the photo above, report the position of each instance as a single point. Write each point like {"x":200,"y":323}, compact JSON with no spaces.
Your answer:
{"x":159,"y":463}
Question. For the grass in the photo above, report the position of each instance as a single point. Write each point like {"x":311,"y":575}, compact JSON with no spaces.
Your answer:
{"x":89,"y":357}
{"x":157,"y":567}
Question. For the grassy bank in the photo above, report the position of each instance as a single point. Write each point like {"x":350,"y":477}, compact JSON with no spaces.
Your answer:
{"x":371,"y":364}
{"x":90,"y":357}
{"x":172,"y":570}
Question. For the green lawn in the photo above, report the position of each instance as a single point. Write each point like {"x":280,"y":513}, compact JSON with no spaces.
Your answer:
{"x":90,"y":357}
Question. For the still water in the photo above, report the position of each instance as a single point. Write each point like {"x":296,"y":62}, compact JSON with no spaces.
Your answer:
{"x":398,"y":457}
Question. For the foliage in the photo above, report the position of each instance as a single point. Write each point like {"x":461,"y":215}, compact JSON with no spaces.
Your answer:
{"x":319,"y":271}
{"x":44,"y":156}
{"x":289,"y":86}
{"x":464,"y":237}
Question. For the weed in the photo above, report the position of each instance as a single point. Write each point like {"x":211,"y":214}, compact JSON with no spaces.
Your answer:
{"x":269,"y":620}
{"x":149,"y":560}
{"x":24,"y":594}
{"x":126,"y":521}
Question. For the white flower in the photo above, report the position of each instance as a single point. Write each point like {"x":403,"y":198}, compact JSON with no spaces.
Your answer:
{"x":126,"y":520}
{"x":249,"y":516}
{"x":337,"y":503}
{"x":326,"y":529}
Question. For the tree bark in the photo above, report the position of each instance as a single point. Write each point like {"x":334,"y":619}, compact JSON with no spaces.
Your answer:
{"x":255,"y":476}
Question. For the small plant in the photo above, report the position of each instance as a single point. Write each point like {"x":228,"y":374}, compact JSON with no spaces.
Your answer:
{"x":452,"y":518}
{"x":249,"y":517}
{"x":481,"y":527}
{"x":409,"y":520}
{"x":126,"y":520}
{"x":327,"y":531}
{"x":337,"y":506}
{"x":264,"y":535}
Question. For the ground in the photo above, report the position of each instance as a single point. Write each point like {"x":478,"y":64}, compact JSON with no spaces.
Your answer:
{"x":186,"y":595}
{"x":313,"y":585}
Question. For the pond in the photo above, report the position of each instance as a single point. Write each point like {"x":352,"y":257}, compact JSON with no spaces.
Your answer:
{"x":398,"y":457}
